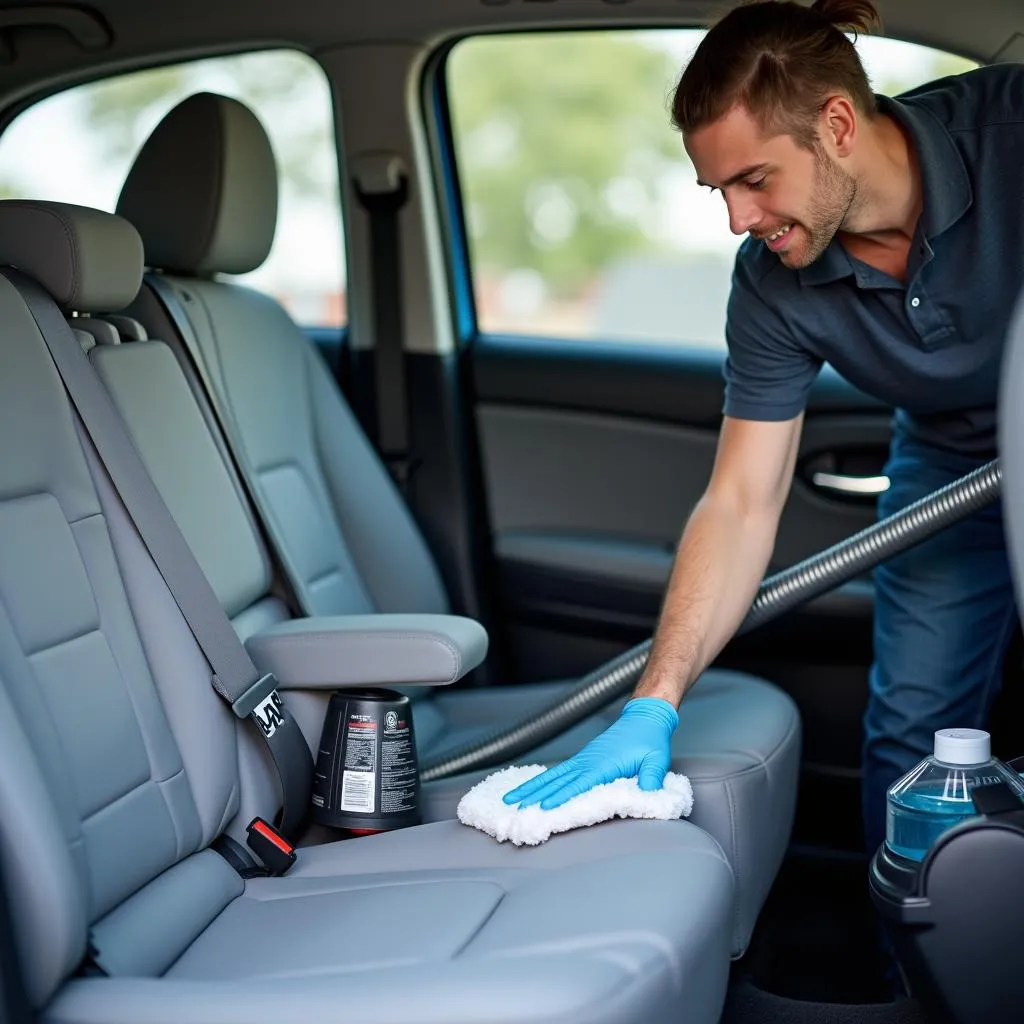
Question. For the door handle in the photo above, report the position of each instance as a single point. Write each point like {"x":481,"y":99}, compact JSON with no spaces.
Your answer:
{"x":850,"y":486}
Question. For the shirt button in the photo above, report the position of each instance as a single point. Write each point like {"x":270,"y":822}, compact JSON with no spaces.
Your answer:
{"x":915,"y":302}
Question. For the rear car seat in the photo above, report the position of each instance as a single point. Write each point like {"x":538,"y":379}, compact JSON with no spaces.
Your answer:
{"x":203,"y":194}
{"x":118,"y":769}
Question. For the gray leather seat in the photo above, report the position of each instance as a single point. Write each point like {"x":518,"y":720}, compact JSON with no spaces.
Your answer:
{"x":202,"y":194}
{"x":119,"y":766}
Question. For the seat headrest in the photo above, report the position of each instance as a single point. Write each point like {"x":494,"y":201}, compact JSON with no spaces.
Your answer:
{"x":203,"y":189}
{"x":88,"y":260}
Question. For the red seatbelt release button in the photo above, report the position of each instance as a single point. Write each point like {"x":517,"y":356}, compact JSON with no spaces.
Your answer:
{"x":270,"y":846}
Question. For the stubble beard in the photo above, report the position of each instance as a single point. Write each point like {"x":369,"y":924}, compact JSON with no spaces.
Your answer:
{"x":834,"y":198}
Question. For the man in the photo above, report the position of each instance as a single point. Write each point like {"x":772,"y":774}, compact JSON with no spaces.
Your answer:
{"x":884,"y":239}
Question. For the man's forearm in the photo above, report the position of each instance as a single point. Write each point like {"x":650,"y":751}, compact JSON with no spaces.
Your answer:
{"x":720,"y":563}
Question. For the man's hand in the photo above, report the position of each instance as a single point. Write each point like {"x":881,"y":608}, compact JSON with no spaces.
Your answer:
{"x":639,"y":744}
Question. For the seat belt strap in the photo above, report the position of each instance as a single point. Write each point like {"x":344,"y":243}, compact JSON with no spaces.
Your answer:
{"x":382,"y":188}
{"x":182,"y":322}
{"x":235,"y":677}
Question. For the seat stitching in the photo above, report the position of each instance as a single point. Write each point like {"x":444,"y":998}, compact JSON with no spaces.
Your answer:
{"x":734,"y":861}
{"x":331,"y":572}
{"x":331,"y":885}
{"x":480,"y":927}
{"x":134,"y":789}
{"x":63,"y":642}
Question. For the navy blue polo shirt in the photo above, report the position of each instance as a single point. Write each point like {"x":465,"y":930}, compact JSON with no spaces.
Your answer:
{"x":931,"y":348}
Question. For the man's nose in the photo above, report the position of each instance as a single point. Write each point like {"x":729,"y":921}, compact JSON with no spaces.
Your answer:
{"x":744,"y":213}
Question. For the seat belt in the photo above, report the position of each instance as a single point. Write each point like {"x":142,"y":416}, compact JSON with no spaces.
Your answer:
{"x":182,"y":322}
{"x":382,"y":188}
{"x":235,"y":677}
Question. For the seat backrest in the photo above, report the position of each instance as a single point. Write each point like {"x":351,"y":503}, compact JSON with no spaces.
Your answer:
{"x":203,"y":195}
{"x":1011,"y":446}
{"x":118,"y":763}
{"x":181,"y":450}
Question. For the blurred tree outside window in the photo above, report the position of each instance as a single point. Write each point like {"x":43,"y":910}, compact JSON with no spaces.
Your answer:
{"x":582,"y":209}
{"x":77,"y":147}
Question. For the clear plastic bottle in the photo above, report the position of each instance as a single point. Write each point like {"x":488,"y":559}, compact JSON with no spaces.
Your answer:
{"x":937,"y":794}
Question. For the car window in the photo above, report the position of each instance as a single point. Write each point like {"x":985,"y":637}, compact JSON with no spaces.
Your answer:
{"x":583,"y":216}
{"x":78,"y":146}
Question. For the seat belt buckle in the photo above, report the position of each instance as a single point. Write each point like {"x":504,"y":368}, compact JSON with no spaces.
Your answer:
{"x":270,"y":846}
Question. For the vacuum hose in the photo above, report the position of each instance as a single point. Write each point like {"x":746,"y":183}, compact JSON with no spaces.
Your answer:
{"x":777,"y":594}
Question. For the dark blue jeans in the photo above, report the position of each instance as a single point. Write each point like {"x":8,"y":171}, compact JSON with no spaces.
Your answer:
{"x":944,"y":614}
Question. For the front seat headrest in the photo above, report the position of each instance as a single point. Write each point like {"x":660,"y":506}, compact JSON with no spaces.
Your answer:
{"x":88,"y":260}
{"x":203,"y":189}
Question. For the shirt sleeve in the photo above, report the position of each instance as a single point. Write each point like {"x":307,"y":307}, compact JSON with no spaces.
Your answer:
{"x":768,"y":374}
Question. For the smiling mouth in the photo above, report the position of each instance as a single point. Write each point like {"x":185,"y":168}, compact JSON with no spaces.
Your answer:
{"x":778,"y":239}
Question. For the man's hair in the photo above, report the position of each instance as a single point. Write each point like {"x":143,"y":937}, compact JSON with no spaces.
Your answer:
{"x":780,"y":60}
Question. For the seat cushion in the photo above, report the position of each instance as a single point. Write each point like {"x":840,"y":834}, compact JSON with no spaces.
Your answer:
{"x":439,"y":923}
{"x":738,"y":741}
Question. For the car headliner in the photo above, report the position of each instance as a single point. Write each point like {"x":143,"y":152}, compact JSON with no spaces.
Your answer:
{"x":125,"y":34}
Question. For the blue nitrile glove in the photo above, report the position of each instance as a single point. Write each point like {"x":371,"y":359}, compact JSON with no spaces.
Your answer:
{"x":639,"y":744}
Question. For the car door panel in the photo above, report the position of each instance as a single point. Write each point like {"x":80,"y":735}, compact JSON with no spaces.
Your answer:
{"x":592,"y":503}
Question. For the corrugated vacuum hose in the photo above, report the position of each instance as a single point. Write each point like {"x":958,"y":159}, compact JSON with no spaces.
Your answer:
{"x":777,"y":594}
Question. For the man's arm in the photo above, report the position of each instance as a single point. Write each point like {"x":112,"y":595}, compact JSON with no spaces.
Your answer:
{"x":721,"y":559}
{"x":723,"y":554}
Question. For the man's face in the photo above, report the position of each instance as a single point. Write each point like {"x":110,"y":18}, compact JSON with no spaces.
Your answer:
{"x":792,"y":198}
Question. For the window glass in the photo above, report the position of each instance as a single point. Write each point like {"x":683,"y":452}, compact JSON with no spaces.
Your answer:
{"x":77,"y":147}
{"x":583,"y":213}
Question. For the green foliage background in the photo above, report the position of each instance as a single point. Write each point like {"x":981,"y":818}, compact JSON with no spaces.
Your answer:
{"x":573,"y":112}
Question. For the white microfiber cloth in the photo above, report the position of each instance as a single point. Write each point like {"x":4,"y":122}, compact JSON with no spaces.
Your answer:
{"x":483,"y":808}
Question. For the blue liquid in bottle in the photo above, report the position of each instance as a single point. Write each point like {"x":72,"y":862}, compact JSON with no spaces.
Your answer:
{"x":937,"y":794}
{"x":916,"y":820}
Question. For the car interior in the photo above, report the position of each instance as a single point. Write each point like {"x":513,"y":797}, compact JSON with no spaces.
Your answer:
{"x":380,"y":346}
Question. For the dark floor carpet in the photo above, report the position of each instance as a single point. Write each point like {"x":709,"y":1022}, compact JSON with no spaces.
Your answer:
{"x":749,"y":1005}
{"x":815,"y":956}
{"x":817,"y":938}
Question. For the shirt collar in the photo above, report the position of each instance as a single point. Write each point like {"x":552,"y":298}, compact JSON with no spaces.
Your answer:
{"x":832,"y":265}
{"x":944,"y":180}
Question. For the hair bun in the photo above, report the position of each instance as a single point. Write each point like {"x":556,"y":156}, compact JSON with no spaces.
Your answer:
{"x":859,"y":16}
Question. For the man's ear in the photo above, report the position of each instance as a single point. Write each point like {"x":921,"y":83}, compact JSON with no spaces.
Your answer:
{"x":838,"y":125}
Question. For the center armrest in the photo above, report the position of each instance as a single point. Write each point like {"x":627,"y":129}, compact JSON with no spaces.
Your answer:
{"x":369,"y":650}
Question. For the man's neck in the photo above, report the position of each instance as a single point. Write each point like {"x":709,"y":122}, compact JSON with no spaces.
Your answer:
{"x":889,"y":184}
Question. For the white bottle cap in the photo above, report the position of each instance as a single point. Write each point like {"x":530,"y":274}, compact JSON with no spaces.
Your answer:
{"x":963,"y":746}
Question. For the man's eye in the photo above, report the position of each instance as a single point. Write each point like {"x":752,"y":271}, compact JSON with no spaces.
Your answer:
{"x":758,"y":183}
